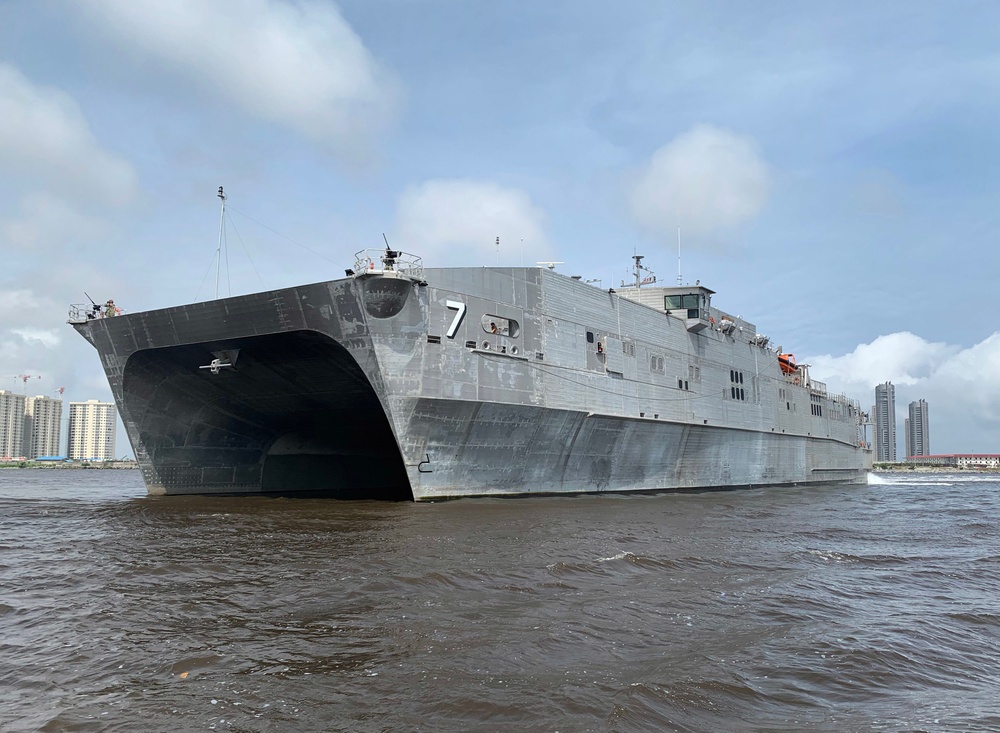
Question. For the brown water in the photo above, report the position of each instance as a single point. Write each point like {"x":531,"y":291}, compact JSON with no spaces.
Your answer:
{"x":846,"y":608}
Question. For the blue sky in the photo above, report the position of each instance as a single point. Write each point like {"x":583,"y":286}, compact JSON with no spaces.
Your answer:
{"x":832,"y":167}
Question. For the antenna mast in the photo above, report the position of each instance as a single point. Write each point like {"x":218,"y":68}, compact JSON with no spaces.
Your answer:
{"x":639,"y":269}
{"x":679,"y":256}
{"x":218,"y":251}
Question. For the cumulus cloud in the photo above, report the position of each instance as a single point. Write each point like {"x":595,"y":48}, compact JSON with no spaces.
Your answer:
{"x":45,"y":142}
{"x":297,"y":64}
{"x":958,"y":383}
{"x":902,"y":358}
{"x":707,"y":181}
{"x":27,"y":317}
{"x":456,"y":222}
{"x":44,"y":220}
{"x":45,"y":337}
{"x":26,"y":332}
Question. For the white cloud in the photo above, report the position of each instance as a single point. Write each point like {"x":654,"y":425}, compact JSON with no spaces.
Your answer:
{"x":456,"y":222}
{"x":46,"y":220}
{"x":958,"y":383}
{"x":45,"y":337}
{"x":14,"y":302}
{"x":902,"y":358}
{"x":35,"y":340}
{"x":46,"y":142}
{"x":298,"y":64}
{"x":707,"y":181}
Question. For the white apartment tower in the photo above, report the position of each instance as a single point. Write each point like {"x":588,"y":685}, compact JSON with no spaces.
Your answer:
{"x":91,"y":431}
{"x":42,"y":426}
{"x":11,"y":424}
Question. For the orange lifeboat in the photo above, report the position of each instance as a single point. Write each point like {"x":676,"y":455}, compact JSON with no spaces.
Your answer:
{"x":787,"y":363}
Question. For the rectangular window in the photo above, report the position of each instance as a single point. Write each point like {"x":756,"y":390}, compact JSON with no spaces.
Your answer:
{"x":681,"y":302}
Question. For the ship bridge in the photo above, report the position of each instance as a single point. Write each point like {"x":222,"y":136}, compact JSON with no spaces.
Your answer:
{"x":692,"y":303}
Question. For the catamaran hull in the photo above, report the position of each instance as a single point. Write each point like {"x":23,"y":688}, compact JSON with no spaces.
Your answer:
{"x":329,"y":389}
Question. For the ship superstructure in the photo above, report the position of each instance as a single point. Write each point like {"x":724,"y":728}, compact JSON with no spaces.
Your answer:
{"x":404,"y":382}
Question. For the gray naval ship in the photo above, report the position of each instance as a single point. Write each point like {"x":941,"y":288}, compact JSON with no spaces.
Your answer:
{"x":404,"y":382}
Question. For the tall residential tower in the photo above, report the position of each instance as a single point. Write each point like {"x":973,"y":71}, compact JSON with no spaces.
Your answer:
{"x":885,"y":422}
{"x":918,"y":432}
{"x":91,"y":431}
{"x":11,"y":424}
{"x":42,"y":426}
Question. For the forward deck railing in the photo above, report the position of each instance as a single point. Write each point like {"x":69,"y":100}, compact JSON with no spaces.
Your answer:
{"x":83,"y":312}
{"x":388,"y":260}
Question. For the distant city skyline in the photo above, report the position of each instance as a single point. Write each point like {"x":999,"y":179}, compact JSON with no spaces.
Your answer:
{"x":916,"y":427}
{"x":31,"y":427}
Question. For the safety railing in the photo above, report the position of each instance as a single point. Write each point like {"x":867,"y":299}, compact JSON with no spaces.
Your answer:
{"x":83,"y":312}
{"x":381,"y":261}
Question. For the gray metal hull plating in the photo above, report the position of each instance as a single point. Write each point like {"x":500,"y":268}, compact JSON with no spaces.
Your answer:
{"x":393,"y":387}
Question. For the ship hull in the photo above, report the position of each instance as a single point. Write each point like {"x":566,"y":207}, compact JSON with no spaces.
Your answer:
{"x":507,"y":450}
{"x":344,"y":389}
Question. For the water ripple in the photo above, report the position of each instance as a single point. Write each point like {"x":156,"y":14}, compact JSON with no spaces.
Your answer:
{"x":836,"y":609}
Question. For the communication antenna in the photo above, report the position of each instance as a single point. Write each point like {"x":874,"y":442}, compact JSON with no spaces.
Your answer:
{"x":550,"y":265}
{"x":218,"y":251}
{"x":679,"y":256}
{"x":639,"y":269}
{"x":498,"y":251}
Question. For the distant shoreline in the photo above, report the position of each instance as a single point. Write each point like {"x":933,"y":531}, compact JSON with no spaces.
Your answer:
{"x":934,"y":469}
{"x":69,"y":464}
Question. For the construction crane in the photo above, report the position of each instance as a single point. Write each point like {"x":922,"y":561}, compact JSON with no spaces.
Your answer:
{"x":24,"y":380}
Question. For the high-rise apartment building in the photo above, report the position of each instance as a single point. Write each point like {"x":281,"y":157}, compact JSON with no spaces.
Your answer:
{"x":11,"y":424}
{"x":42,"y":426}
{"x":91,"y":431}
{"x":885,"y":422}
{"x":918,"y":432}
